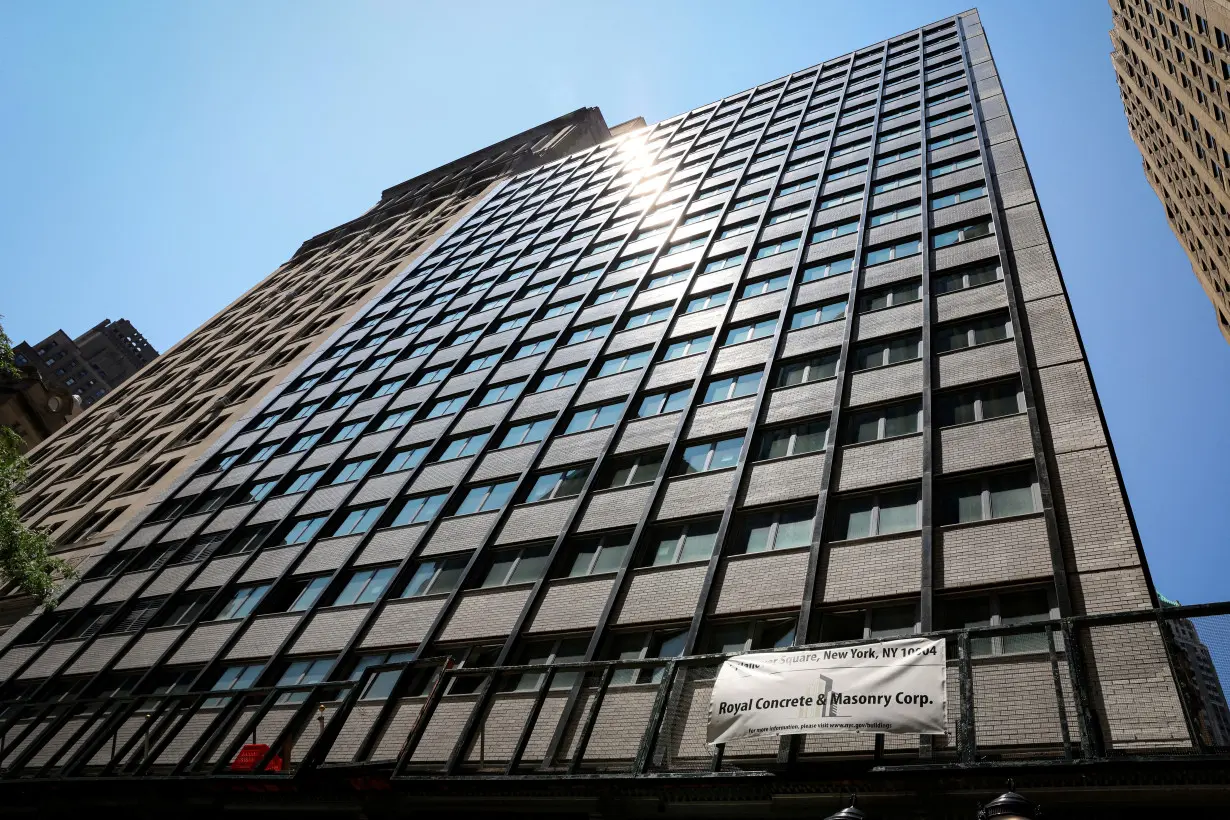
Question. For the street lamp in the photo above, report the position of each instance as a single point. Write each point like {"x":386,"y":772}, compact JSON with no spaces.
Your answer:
{"x":1009,"y":806}
{"x":849,"y":812}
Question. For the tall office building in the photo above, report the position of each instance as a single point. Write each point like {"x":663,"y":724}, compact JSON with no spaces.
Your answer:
{"x":91,"y":365}
{"x":794,"y":367}
{"x":1171,"y":61}
{"x":97,"y":474}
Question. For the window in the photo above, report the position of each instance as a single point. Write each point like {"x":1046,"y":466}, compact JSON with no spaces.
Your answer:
{"x":233,"y":678}
{"x":965,"y":233}
{"x":849,"y":170}
{"x":750,"y":331}
{"x":835,"y":230}
{"x":418,"y":509}
{"x":892,"y":296}
{"x":699,"y":216}
{"x":818,"y":315}
{"x":304,"y":530}
{"x":693,"y":541}
{"x":357,"y":521}
{"x":481,"y":362}
{"x":956,"y":197}
{"x":301,"y":673}
{"x":981,"y":403}
{"x":984,"y":497}
{"x":343,"y":373}
{"x":793,"y":440}
{"x":723,"y":263}
{"x":405,"y":459}
{"x":879,"y":514}
{"x":267,"y":420}
{"x":486,"y":497}
{"x":464,"y":446}
{"x":684,"y":245}
{"x":435,"y":577}
{"x":512,"y":323}
{"x":709,"y":300}
{"x":823,"y":270}
{"x":593,"y":556}
{"x":387,"y":387}
{"x":966,"y":278}
{"x":711,"y":455}
{"x":999,"y":609}
{"x":888,"y":253}
{"x":560,"y":484}
{"x":267,"y":450}
{"x":668,"y":278}
{"x":584,"y":334}
{"x":443,"y":407}
{"x":732,"y":387}
{"x":659,"y":643}
{"x":686,"y":347}
{"x":501,"y":392}
{"x":781,"y":246}
{"x":623,"y":363}
{"x":561,"y":309}
{"x":353,"y":470}
{"x":592,"y":418}
{"x":431,"y":376}
{"x":896,"y":621}
{"x":560,"y":378}
{"x":629,"y":470}
{"x":904,"y":212}
{"x":667,"y":401}
{"x":548,"y":652}
{"x":814,"y":368}
{"x":954,"y":166}
{"x":183,"y":608}
{"x":532,"y":348}
{"x":462,"y":338}
{"x":970,"y":333}
{"x":787,"y":214}
{"x":632,"y":261}
{"x":525,"y":433}
{"x":951,"y":139}
{"x":516,"y":566}
{"x":365,"y":586}
{"x":648,"y":317}
{"x":391,"y":421}
{"x":841,"y":199}
{"x":884,"y":422}
{"x":243,"y":600}
{"x":306,"y":593}
{"x":748,"y":636}
{"x":893,"y":183}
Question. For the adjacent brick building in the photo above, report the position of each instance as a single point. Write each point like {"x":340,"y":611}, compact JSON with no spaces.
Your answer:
{"x":1171,"y":60}
{"x":796,"y":366}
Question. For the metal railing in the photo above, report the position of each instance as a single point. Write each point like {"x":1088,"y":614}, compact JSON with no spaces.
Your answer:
{"x":1135,"y":684}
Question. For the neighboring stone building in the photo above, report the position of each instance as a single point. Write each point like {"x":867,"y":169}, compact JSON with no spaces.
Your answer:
{"x":96,"y":475}
{"x":33,"y":408}
{"x":1200,"y":673}
{"x":794,"y":367}
{"x":91,"y":365}
{"x":1172,"y":61}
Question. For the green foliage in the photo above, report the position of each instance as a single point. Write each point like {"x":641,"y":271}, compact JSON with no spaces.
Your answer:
{"x":25,"y":553}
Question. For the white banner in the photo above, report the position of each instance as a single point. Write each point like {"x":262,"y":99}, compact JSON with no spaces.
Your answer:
{"x":894,"y":687}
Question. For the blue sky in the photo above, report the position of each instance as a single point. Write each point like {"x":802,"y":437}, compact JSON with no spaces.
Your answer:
{"x":161,"y":158}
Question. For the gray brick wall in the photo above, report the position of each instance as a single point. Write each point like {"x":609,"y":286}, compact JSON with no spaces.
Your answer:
{"x":614,"y":508}
{"x":441,"y":475}
{"x":719,"y":417}
{"x":149,"y":648}
{"x":1070,"y":410}
{"x":761,"y":582}
{"x":813,"y":339}
{"x":872,"y":568}
{"x":572,"y":603}
{"x":742,"y":356}
{"x":971,"y":301}
{"x":661,"y":594}
{"x":992,"y":552}
{"x":269,"y":564}
{"x":204,"y":642}
{"x":485,"y":613}
{"x":327,"y":554}
{"x":783,"y":479}
{"x":464,"y":532}
{"x":330,"y":629}
{"x":218,"y":571}
{"x":576,"y":447}
{"x":543,"y":519}
{"x":647,"y":432}
{"x":889,"y":321}
{"x":800,"y":401}
{"x":976,"y":364}
{"x":263,"y":635}
{"x":98,"y":653}
{"x":695,"y":494}
{"x":403,"y":623}
{"x":984,"y":443}
{"x":885,"y":383}
{"x":880,"y":462}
